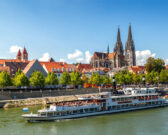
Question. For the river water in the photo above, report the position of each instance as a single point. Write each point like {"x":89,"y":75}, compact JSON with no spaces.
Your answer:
{"x":144,"y":122}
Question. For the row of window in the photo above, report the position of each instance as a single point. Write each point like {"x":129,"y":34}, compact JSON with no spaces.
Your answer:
{"x":63,"y":69}
{"x":133,"y":105}
{"x":134,"y":98}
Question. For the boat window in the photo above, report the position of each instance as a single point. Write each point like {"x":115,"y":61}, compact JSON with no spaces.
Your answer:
{"x":113,"y":100}
{"x":118,"y":99}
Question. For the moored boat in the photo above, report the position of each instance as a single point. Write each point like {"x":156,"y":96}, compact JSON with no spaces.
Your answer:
{"x":128,"y":99}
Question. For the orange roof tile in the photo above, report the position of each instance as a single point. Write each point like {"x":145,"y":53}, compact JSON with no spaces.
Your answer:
{"x":136,"y":69}
{"x":84,"y":67}
{"x":5,"y":68}
{"x":57,"y":66}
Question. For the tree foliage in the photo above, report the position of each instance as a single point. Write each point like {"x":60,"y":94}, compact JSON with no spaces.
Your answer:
{"x":37,"y":79}
{"x":163,"y":77}
{"x":65,"y":78}
{"x":76,"y":78}
{"x":5,"y":79}
{"x":152,"y":77}
{"x":85,"y":79}
{"x":106,"y":80}
{"x":137,"y":78}
{"x":20,"y":79}
{"x":155,"y":65}
{"x":97,"y":79}
{"x":91,"y":78}
{"x":51,"y":79}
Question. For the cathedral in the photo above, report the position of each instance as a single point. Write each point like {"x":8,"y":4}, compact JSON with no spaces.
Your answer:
{"x":117,"y":58}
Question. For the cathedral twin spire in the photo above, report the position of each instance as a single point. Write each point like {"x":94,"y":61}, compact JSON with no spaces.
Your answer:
{"x":130,"y":58}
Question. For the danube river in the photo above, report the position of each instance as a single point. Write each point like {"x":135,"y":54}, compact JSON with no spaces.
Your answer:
{"x":144,"y":122}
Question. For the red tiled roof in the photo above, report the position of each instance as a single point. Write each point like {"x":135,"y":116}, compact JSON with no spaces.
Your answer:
{"x":2,"y":61}
{"x":136,"y":69}
{"x":5,"y":68}
{"x":58,"y":67}
{"x":84,"y":67}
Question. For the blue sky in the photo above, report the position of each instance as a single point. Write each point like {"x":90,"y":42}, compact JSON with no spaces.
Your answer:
{"x":67,"y":29}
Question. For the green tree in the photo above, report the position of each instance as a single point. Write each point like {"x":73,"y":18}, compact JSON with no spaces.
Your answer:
{"x":37,"y":79}
{"x":5,"y":79}
{"x":18,"y":72}
{"x":137,"y":78}
{"x":163,"y":77}
{"x":159,"y":65}
{"x":85,"y":79}
{"x":76,"y":78}
{"x":21,"y":79}
{"x":51,"y":79}
{"x":153,"y":64}
{"x":97,"y":79}
{"x":91,"y":78}
{"x":149,"y":64}
{"x":152,"y":77}
{"x":128,"y":78}
{"x":65,"y":78}
{"x":106,"y":80}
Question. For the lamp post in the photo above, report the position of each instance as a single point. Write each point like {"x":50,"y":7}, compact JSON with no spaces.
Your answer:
{"x":143,"y":79}
{"x":114,"y":84}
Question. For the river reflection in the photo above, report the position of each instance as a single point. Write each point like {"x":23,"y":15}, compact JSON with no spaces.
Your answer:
{"x":145,"y":122}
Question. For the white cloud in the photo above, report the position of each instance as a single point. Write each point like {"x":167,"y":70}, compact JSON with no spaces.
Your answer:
{"x":166,"y":61}
{"x":62,"y":60}
{"x":142,"y":56}
{"x":14,"y":49}
{"x":80,"y":59}
{"x":87,"y":56}
{"x":77,"y":54}
{"x":45,"y":57}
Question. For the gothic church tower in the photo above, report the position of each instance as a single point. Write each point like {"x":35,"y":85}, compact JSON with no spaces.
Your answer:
{"x":118,"y":46}
{"x":130,"y":56}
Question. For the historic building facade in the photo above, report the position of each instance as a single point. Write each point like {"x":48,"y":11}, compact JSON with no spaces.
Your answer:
{"x":116,"y":59}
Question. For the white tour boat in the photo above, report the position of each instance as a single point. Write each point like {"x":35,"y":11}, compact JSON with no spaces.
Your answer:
{"x":128,"y":99}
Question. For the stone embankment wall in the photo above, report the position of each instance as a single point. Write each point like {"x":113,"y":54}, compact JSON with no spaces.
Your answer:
{"x":7,"y":95}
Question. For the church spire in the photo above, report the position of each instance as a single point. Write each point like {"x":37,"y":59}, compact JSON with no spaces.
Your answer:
{"x":108,"y":49}
{"x":118,"y":46}
{"x":118,"y":35}
{"x":129,"y":33}
{"x":130,"y":56}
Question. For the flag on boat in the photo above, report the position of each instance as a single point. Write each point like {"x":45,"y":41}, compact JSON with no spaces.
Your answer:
{"x":25,"y":109}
